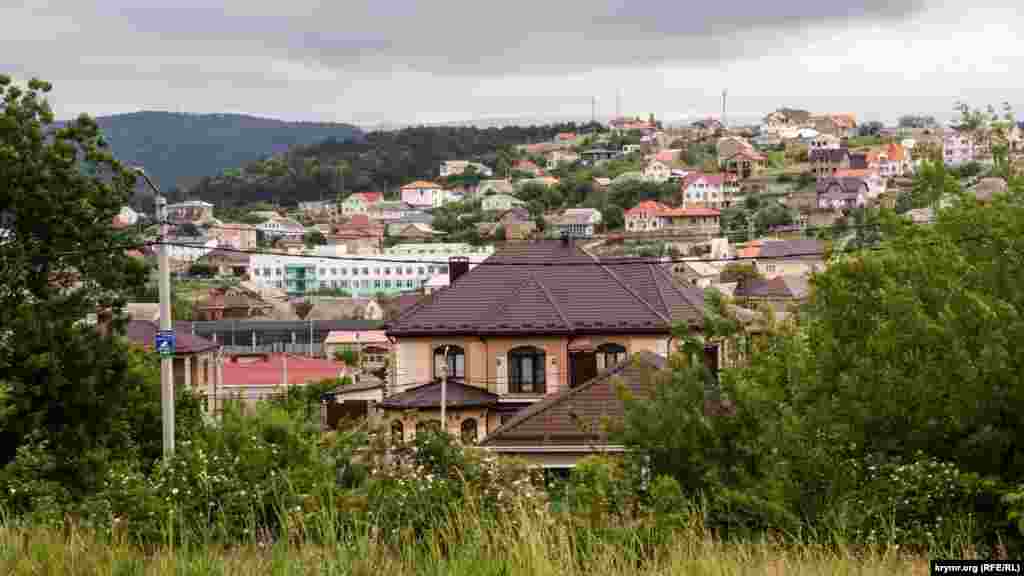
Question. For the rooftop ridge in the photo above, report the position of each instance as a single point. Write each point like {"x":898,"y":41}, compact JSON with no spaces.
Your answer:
{"x":629,"y":289}
{"x":554,"y":304}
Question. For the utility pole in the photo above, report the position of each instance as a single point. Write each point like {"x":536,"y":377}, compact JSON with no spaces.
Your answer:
{"x":166,"y":361}
{"x":444,"y":392}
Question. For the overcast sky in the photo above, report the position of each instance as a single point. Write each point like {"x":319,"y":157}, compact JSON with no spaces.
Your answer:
{"x":445,"y":60}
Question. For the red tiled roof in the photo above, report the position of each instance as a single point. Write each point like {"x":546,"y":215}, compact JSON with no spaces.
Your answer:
{"x":518,"y":291}
{"x":370,"y":197}
{"x":579,"y":416}
{"x":693,"y":212}
{"x":712,"y":179}
{"x":269,"y":370}
{"x":649,"y":206}
{"x":421,"y":184}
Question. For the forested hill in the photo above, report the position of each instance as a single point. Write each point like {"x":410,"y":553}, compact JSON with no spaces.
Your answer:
{"x":381,"y":161}
{"x":177,"y":150}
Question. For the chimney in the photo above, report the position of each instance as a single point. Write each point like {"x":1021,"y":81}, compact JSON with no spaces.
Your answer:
{"x":457,"y":266}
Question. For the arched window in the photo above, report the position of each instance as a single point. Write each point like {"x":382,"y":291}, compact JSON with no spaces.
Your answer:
{"x":456,"y":361}
{"x":424,"y":426}
{"x":609,"y":355}
{"x":397,"y":432}
{"x":468,"y":431}
{"x":526,"y":370}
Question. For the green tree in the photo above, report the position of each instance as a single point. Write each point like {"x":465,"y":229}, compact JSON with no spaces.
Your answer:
{"x":78,"y":392}
{"x":314,"y":238}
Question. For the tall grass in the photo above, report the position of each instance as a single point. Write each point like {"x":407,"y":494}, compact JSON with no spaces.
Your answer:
{"x":463,"y":542}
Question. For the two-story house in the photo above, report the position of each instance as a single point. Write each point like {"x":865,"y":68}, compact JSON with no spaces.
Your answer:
{"x":824,"y":142}
{"x":280,"y":227}
{"x":957,"y":148}
{"x":656,"y":171}
{"x":894,"y":161}
{"x":774,"y":258}
{"x":827,"y":161}
{"x":839,"y":193}
{"x":650,"y":216}
{"x":708,"y":190}
{"x":577,"y":222}
{"x":423,"y":194}
{"x":360,"y":202}
{"x":534,"y":321}
{"x":194,"y":211}
{"x":320,"y":210}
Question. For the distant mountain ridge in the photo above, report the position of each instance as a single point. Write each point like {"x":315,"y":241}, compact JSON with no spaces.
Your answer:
{"x":178,"y":149}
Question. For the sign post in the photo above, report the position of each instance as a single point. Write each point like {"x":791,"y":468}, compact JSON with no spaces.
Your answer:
{"x":165,"y":343}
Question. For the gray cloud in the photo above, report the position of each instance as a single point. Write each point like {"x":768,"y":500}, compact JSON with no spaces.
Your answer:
{"x":468,"y":38}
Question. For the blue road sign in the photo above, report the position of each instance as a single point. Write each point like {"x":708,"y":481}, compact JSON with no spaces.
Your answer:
{"x":165,"y":342}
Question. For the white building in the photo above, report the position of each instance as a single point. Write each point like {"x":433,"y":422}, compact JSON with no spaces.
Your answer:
{"x":281,"y":228}
{"x":458,"y":167}
{"x":402,"y":268}
{"x":957,"y":148}
{"x":189,"y":249}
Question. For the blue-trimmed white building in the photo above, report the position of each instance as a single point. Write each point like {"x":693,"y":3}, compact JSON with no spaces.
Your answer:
{"x":402,"y":268}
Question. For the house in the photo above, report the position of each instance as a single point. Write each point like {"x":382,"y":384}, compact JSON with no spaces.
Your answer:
{"x":197,"y":361}
{"x":194,"y":211}
{"x":332,"y":308}
{"x":527,"y":166}
{"x":669,"y":156}
{"x":390,"y":210}
{"x":517,"y":224}
{"x":650,"y":215}
{"x":727,"y":146}
{"x":566,"y":137}
{"x":894,"y":161}
{"x":573,"y":423}
{"x":825,"y":142}
{"x":744,"y":163}
{"x":708,"y":190}
{"x":226,"y":262}
{"x":360,"y":202}
{"x":537,"y":319}
{"x":261,"y":376}
{"x":500,"y":202}
{"x":786,"y":121}
{"x":231,"y":303}
{"x":842,"y":125}
{"x":835,"y":193}
{"x":499,"y":186}
{"x":826,"y":161}
{"x":558,"y":158}
{"x":700,"y":273}
{"x":459,"y":167}
{"x":773,"y":258}
{"x":280,"y":227}
{"x":414,"y":231}
{"x":870,"y":176}
{"x":656,"y":171}
{"x":359,"y":235}
{"x":321,"y":210}
{"x":577,"y":222}
{"x":372,"y":346}
{"x":423,"y":194}
{"x":546,"y":181}
{"x":778,"y":292}
{"x":957,"y":148}
{"x":235,"y":235}
{"x":596,"y":155}
{"x":189,"y":249}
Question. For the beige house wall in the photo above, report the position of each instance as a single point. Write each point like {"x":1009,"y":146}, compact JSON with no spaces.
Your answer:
{"x":455,"y":417}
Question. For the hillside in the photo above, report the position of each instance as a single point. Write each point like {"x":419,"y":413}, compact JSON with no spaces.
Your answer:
{"x":380,"y":161}
{"x":179,"y":149}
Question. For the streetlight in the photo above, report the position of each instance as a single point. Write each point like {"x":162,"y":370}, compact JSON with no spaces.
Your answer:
{"x":164,"y":281}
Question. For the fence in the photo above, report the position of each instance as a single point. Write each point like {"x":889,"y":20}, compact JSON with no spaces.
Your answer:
{"x":302,"y":337}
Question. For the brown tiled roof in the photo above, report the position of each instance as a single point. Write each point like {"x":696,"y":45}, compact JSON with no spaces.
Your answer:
{"x":576,"y":416}
{"x":143,"y":332}
{"x":429,"y":396}
{"x":552,"y":287}
{"x":779,"y":287}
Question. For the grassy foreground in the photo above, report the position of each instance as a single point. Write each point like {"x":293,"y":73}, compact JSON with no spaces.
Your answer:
{"x":553,"y":551}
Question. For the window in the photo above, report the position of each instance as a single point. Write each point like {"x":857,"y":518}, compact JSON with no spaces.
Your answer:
{"x":323,"y":284}
{"x":277,"y":271}
{"x":421,"y":271}
{"x":344,"y":271}
{"x":334,"y":271}
{"x":424,"y":426}
{"x":468,"y":431}
{"x":397,"y":432}
{"x":609,"y":355}
{"x":387,"y":271}
{"x":526,"y":369}
{"x":387,"y":283}
{"x":344,"y":283}
{"x":408,"y":270}
{"x":456,"y":361}
{"x":366,"y":271}
{"x":408,"y":284}
{"x":376,"y":283}
{"x":323,"y":271}
{"x":771,"y":267}
{"x":366,"y":284}
{"x":430,"y":269}
{"x":444,"y":269}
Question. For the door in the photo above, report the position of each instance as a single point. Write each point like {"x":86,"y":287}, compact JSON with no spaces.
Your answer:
{"x":583,"y":367}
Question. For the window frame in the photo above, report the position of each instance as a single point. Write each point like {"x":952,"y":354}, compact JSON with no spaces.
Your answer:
{"x":452,"y":361}
{"x":538,"y":364}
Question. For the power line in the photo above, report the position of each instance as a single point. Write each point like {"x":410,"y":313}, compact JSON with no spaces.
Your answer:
{"x":614,"y":261}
